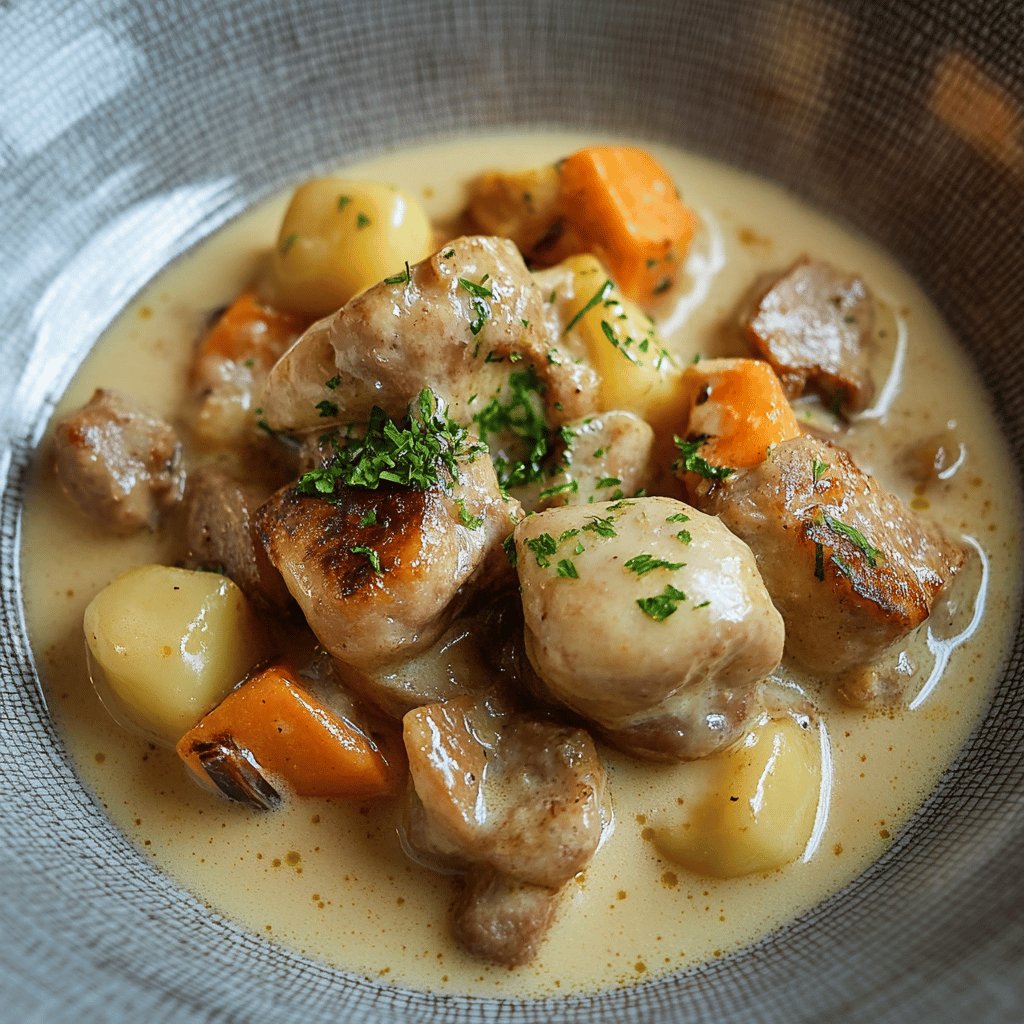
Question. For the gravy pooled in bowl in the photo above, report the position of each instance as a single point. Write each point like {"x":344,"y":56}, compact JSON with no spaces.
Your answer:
{"x":621,"y":548}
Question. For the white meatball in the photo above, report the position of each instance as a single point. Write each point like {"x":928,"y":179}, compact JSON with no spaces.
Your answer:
{"x":649,"y":619}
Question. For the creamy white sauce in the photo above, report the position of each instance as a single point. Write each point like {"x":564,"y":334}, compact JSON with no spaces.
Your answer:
{"x":330,"y":879}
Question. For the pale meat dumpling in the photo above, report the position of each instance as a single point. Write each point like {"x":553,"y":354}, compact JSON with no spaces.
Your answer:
{"x":650,"y":619}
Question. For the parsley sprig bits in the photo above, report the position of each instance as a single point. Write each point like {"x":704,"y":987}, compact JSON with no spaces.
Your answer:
{"x":421,"y":452}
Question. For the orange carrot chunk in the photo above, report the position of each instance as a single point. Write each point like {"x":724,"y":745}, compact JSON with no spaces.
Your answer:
{"x":739,"y":407}
{"x":626,"y":208}
{"x":293,"y":737}
{"x":250,"y":330}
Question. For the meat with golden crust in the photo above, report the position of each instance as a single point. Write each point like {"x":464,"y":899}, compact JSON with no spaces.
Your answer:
{"x":851,"y":569}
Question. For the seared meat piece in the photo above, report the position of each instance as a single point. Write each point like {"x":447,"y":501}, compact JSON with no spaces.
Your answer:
{"x":231,"y":366}
{"x":812,"y":325}
{"x":120,"y":465}
{"x":465,"y":317}
{"x":517,"y":802}
{"x":607,"y":455}
{"x":650,"y":620}
{"x":379,"y":574}
{"x":500,"y":919}
{"x":525,"y":207}
{"x":850,"y":568}
{"x":220,"y":533}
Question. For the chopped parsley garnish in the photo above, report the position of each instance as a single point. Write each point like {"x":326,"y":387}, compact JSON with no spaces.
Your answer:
{"x":819,"y":562}
{"x":662,"y":605}
{"x":491,"y":357}
{"x":569,"y":487}
{"x":608,"y":481}
{"x":371,"y":556}
{"x":509,"y":547}
{"x":872,"y":554}
{"x":543,"y":547}
{"x":288,"y":243}
{"x":525,"y":323}
{"x":327,"y":409}
{"x":620,"y":346}
{"x":703,"y":604}
{"x":422,"y":452}
{"x":818,"y":469}
{"x":678,"y":517}
{"x":343,"y":201}
{"x":466,"y":517}
{"x":567,"y":569}
{"x":250,"y":363}
{"x":447,"y":254}
{"x":691,"y":462}
{"x":579,"y":548}
{"x":598,"y":452}
{"x":478,"y":291}
{"x":601,"y":525}
{"x":685,"y":536}
{"x":567,"y":535}
{"x":552,"y":357}
{"x":567,"y":434}
{"x":519,"y":418}
{"x":332,"y":383}
{"x":620,"y":505}
{"x":643,"y":564}
{"x":594,"y":300}
{"x":369,"y":519}
{"x":403,"y":278}
{"x":662,"y":286}
{"x":362,"y":221}
{"x":483,"y":314}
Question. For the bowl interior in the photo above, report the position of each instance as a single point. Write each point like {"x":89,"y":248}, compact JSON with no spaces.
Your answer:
{"x":130,"y":132}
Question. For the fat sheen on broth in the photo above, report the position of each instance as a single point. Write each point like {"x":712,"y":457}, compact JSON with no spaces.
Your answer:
{"x":330,"y":879}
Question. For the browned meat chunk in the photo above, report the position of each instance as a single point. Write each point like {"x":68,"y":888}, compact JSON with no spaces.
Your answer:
{"x":465,"y":318}
{"x":221,"y":535}
{"x":812,"y":325}
{"x":848,"y":566}
{"x":120,"y":465}
{"x":516,"y":802}
{"x":500,"y":919}
{"x":379,"y":574}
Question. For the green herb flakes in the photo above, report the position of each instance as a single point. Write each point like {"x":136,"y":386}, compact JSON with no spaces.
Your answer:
{"x":643,"y":564}
{"x":422,"y":452}
{"x":567,"y":569}
{"x":371,"y":556}
{"x":597,"y":297}
{"x":543,"y":547}
{"x":661,"y":606}
{"x":691,"y":462}
{"x":466,"y":517}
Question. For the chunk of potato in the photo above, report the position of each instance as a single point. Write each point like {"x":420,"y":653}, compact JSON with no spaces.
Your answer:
{"x":339,"y":237}
{"x":759,"y":810}
{"x":637,"y":372}
{"x":165,"y":645}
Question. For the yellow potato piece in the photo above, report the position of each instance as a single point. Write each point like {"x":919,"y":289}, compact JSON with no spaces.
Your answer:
{"x":637,"y":372}
{"x":759,"y":810}
{"x":165,"y":645}
{"x":340,"y":237}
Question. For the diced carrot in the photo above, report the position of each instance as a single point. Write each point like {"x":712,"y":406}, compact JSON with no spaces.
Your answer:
{"x":739,"y":405}
{"x":625,"y":206}
{"x":250,"y":330}
{"x":292,"y":736}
